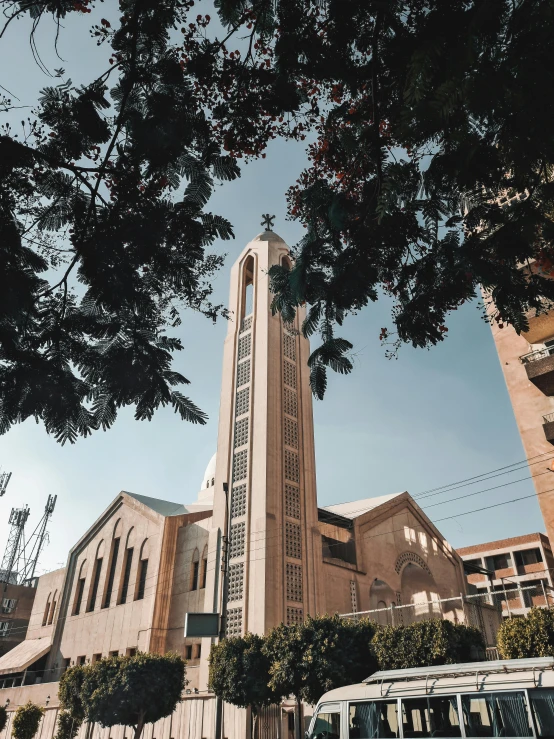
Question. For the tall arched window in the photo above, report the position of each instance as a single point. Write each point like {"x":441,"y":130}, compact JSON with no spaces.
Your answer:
{"x":248,"y":287}
{"x":112,"y":564}
{"x":127,"y":564}
{"x":142,"y":570}
{"x":47,"y":609}
{"x":195,"y":570}
{"x":97,"y":571}
{"x":53,"y":608}
{"x":80,"y":588}
{"x":204,"y":568}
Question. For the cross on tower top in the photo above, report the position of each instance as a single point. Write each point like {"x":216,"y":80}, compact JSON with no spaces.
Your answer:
{"x":267,"y":221}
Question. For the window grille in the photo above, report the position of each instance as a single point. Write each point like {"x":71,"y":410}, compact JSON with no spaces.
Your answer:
{"x":238,"y":501}
{"x":246,"y":324}
{"x":289,"y":374}
{"x":289,"y":346}
{"x":243,"y":373}
{"x":291,"y":433}
{"x":243,"y":401}
{"x":292,"y":501}
{"x":236,"y":544}
{"x":233,"y":627}
{"x":290,"y":402}
{"x":240,"y":465}
{"x":293,"y":540}
{"x":294,"y":582}
{"x":245,"y":342}
{"x":236,"y":577}
{"x":241,"y":432}
{"x":292,"y":470}
{"x":4,"y":628}
{"x":294,"y":616}
{"x":353,"y":597}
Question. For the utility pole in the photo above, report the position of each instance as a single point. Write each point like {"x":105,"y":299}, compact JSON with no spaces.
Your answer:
{"x":15,"y":548}
{"x":219,"y":719}
{"x":39,"y":535}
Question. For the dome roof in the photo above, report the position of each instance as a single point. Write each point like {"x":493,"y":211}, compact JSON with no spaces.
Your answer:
{"x":268,"y":236}
{"x":209,"y":474}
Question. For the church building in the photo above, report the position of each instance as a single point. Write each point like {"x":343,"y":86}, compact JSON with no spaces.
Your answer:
{"x":146,"y":562}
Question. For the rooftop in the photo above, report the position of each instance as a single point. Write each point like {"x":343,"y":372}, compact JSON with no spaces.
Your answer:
{"x":356,"y":508}
{"x":504,"y":544}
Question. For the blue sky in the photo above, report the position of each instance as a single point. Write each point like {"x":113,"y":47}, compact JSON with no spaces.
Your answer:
{"x":425,"y":420}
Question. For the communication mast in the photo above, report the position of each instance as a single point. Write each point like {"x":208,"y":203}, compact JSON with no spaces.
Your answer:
{"x":4,"y":480}
{"x":14,"y":554}
{"x":21,"y":557}
{"x":38,"y":538}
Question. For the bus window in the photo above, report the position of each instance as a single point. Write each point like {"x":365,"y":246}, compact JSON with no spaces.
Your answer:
{"x":496,"y":714}
{"x":542,"y":703}
{"x":327,"y":723}
{"x":373,"y":719}
{"x":432,"y":716}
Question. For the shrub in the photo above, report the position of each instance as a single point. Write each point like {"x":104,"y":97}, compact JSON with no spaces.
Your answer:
{"x":432,"y":642}
{"x":68,"y":726}
{"x":3,"y":718}
{"x":530,"y":636}
{"x":26,"y":721}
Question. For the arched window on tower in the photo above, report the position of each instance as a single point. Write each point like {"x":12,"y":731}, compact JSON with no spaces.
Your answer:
{"x":248,"y":287}
{"x":195,"y":570}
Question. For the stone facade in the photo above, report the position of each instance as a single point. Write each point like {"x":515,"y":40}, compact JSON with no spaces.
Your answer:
{"x":146,"y":562}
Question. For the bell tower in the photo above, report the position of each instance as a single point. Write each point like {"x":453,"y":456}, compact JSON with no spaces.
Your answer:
{"x":265,"y":452}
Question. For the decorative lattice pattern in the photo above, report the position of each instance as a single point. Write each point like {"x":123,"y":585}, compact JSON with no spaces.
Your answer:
{"x":246,"y":324}
{"x":241,"y":432}
{"x":236,"y":579}
{"x":292,"y":470}
{"x":243,"y":401}
{"x":236,"y":544}
{"x":238,"y":501}
{"x":353,"y":597}
{"x":243,"y":373}
{"x":289,"y":374}
{"x":294,"y":582}
{"x":245,"y":344}
{"x":292,"y":501}
{"x":413,"y":558}
{"x":289,"y":346}
{"x":240,"y":465}
{"x":233,"y":627}
{"x":291,"y":433}
{"x":293,"y":540}
{"x":290,"y":402}
{"x":294,"y":616}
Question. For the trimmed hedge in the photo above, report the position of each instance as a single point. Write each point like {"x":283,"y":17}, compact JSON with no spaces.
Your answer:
{"x":26,"y":721}
{"x":433,"y":642}
{"x":529,"y":636}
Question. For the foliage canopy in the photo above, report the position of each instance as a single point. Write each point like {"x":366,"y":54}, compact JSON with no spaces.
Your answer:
{"x":432,"y":642}
{"x":26,"y":721}
{"x":426,"y":120}
{"x":132,"y":691}
{"x":529,"y":636}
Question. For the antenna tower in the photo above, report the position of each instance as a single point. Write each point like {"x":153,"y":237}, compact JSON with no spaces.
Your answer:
{"x":4,"y":480}
{"x":37,"y":540}
{"x":14,"y":554}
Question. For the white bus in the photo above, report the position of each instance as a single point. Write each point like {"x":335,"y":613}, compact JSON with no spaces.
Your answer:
{"x":479,"y":699}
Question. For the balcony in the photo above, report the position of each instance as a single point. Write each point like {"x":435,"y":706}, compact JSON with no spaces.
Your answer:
{"x":539,"y":366}
{"x":548,"y":426}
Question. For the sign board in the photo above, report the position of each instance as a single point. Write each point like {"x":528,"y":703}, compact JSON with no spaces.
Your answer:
{"x":201,"y":624}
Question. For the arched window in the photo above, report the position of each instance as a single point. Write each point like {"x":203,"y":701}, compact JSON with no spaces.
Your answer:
{"x":47,"y":610}
{"x":204,"y":568}
{"x":127,"y":564}
{"x":97,"y":571}
{"x":248,"y":287}
{"x":114,"y":552}
{"x":142,"y":570}
{"x":53,"y":608}
{"x":213,"y":481}
{"x":195,"y":570}
{"x":80,"y":589}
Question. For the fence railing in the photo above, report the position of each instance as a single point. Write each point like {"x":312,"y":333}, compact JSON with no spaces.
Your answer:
{"x":31,"y":677}
{"x":548,"y":418}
